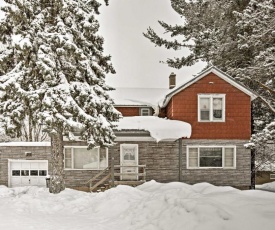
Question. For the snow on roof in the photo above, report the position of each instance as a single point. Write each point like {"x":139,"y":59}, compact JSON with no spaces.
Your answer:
{"x":159,"y":128}
{"x":25,"y":143}
{"x":138,"y":96}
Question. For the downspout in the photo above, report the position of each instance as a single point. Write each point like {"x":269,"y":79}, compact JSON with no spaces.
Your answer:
{"x":180,"y":159}
{"x":112,"y":168}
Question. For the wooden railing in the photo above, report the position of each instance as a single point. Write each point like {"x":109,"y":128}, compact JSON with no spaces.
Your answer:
{"x":113,"y":174}
{"x":94,"y":186}
{"x":140,"y":174}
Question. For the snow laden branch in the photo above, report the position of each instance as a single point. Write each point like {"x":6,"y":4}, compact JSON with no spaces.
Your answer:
{"x":52,"y":72}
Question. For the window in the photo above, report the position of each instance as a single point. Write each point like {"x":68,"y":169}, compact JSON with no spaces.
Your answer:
{"x":145,"y":112}
{"x":211,"y":107}
{"x":81,"y":158}
{"x":211,"y":157}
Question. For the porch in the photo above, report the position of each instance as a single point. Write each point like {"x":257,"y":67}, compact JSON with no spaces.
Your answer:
{"x":118,"y":175}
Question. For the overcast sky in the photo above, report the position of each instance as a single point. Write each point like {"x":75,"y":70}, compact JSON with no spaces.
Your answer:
{"x":134,"y":57}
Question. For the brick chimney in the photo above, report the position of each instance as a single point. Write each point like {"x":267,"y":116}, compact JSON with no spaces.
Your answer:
{"x":172,"y":80}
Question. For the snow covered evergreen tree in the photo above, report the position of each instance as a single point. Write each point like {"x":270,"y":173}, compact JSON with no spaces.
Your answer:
{"x":52,"y":71}
{"x":237,"y":36}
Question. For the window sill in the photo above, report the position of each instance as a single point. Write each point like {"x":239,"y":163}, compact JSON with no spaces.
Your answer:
{"x":66,"y":169}
{"x":211,"y":168}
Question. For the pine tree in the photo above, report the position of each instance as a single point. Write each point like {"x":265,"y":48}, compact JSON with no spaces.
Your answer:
{"x":52,"y":70}
{"x":237,"y":36}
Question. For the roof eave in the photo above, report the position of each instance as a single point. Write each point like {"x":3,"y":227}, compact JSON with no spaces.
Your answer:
{"x":219,"y":73}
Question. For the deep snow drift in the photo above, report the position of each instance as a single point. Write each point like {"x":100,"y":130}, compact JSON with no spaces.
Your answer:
{"x":151,"y":206}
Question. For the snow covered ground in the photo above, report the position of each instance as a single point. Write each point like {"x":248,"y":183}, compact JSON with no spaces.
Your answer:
{"x":267,"y":186}
{"x":151,"y":206}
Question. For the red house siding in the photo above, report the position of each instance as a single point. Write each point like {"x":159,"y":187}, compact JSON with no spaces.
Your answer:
{"x":128,"y":111}
{"x":184,"y":106}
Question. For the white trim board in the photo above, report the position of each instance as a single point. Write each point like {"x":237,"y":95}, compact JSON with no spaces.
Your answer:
{"x":217,"y":72}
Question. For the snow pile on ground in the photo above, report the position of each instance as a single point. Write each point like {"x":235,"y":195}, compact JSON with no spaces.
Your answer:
{"x":268,"y":186}
{"x":151,"y":206}
{"x":159,"y":128}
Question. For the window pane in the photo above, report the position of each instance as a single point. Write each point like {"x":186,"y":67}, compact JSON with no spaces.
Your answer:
{"x":228,"y":157}
{"x":205,"y":109}
{"x":193,"y":152}
{"x":145,"y":112}
{"x":193,"y":157}
{"x":68,"y":163}
{"x":210,"y":157}
{"x":86,"y":159}
{"x":34,"y":172}
{"x":42,"y":172}
{"x":129,"y":154}
{"x":16,"y":172}
{"x":204,"y":103}
{"x":103,"y":158}
{"x":193,"y":162}
{"x":205,"y":115}
{"x":24,"y":172}
{"x":68,"y":153}
{"x":217,"y":108}
{"x":217,"y":103}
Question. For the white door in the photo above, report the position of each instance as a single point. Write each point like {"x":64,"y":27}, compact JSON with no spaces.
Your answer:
{"x":129,"y":157}
{"x":28,"y":173}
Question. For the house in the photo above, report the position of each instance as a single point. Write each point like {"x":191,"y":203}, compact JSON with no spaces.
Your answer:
{"x":192,"y":133}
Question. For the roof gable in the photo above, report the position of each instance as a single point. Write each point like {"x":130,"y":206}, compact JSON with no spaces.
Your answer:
{"x":218,"y":73}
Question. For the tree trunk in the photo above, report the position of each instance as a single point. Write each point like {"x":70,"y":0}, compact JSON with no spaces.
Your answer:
{"x":57,"y":183}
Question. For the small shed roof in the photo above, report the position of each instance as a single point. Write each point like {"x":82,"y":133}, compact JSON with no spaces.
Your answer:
{"x":159,"y":128}
{"x":138,"y":96}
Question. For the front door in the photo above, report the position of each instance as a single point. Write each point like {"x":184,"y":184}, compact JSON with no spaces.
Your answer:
{"x":129,"y":161}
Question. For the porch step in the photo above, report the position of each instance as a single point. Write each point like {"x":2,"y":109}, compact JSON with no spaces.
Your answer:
{"x":133,"y":183}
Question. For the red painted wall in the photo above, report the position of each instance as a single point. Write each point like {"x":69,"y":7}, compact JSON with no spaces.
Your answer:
{"x":128,"y":111}
{"x":184,"y":106}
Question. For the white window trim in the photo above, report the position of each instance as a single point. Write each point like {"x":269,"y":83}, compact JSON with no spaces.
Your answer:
{"x":210,"y":146}
{"x":84,"y":147}
{"x":145,"y":109}
{"x":211,"y":96}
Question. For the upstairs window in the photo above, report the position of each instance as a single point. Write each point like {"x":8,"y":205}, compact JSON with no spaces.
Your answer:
{"x":211,"y":107}
{"x":145,"y":112}
{"x":78,"y":157}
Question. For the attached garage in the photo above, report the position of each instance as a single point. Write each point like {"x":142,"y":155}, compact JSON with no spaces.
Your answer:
{"x":27,"y":172}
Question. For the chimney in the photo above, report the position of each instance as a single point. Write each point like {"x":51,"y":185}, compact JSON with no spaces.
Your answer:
{"x":172,"y":80}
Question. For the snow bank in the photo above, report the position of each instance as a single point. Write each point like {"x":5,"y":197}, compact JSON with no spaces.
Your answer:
{"x":268,"y":186}
{"x":151,"y":206}
{"x":25,"y":143}
{"x":159,"y":128}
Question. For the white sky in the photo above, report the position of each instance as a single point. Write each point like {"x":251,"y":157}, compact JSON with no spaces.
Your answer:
{"x":134,"y":57}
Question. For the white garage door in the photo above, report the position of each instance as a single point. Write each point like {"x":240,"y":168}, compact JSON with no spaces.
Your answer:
{"x":28,"y":173}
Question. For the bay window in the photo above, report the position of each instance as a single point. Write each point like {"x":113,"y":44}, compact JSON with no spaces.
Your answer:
{"x":211,"y":107}
{"x":211,"y":157}
{"x":81,"y":158}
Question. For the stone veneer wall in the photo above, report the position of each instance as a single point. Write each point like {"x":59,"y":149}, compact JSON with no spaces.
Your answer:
{"x":162,"y":163}
{"x":18,"y":153}
{"x":239,"y":177}
{"x":161,"y":160}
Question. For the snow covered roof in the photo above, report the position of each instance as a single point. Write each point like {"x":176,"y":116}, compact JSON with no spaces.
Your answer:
{"x":159,"y":128}
{"x":138,"y":96}
{"x":19,"y":143}
{"x":216,"y":71}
